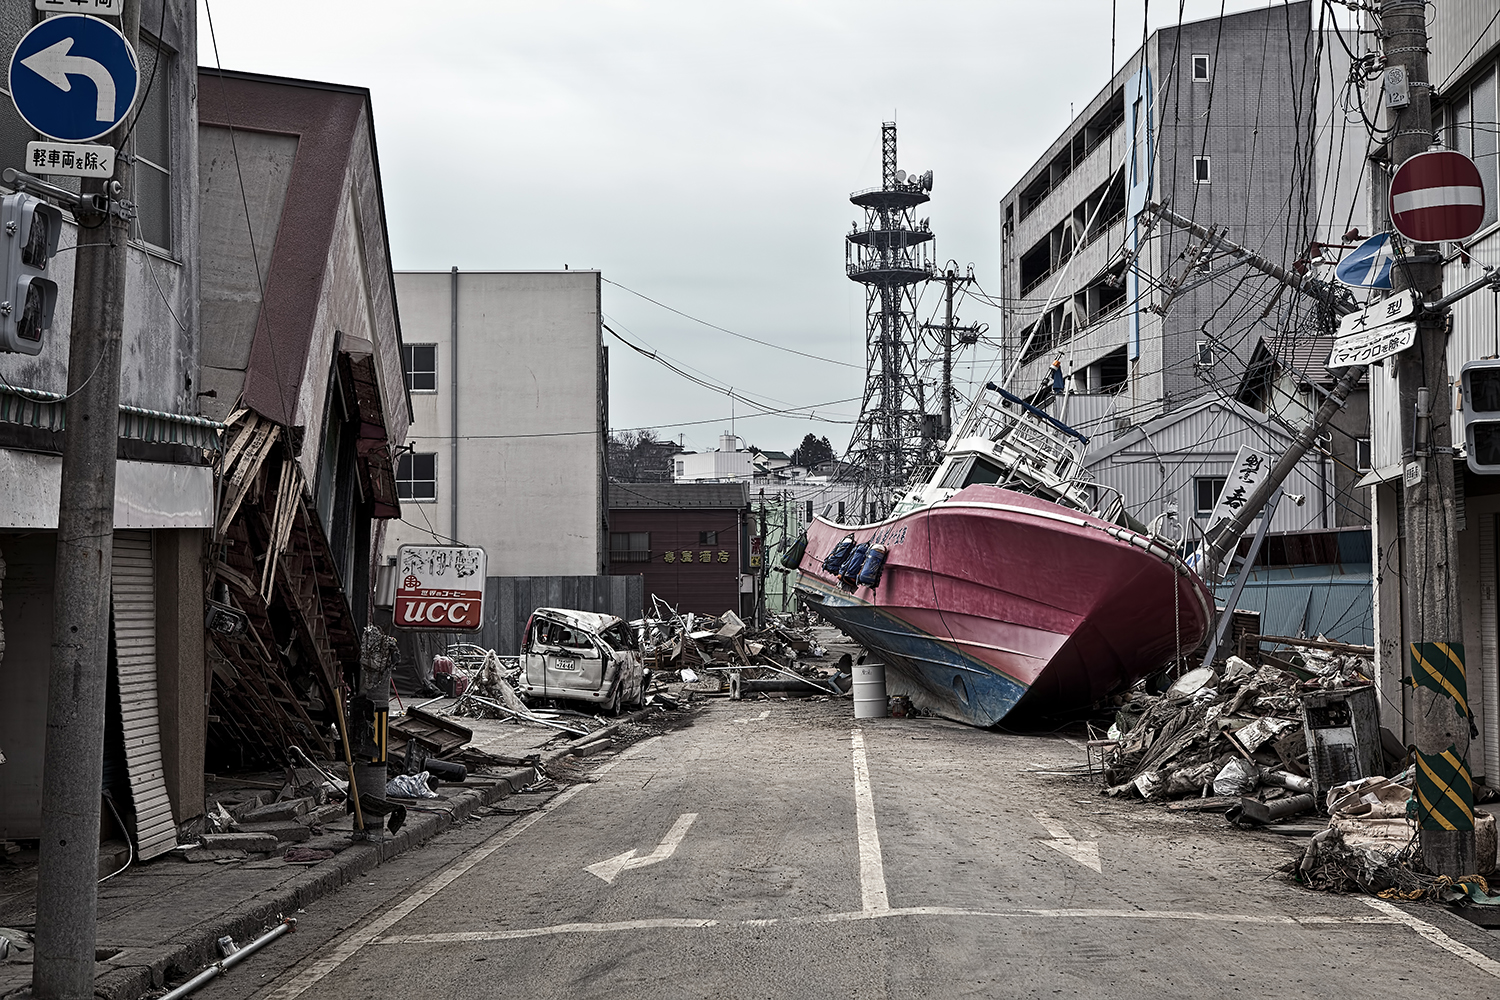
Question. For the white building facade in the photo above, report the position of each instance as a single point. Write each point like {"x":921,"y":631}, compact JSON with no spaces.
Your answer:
{"x":508,"y":380}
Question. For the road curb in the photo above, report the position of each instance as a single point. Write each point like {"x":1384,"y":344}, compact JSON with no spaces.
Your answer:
{"x":139,"y":970}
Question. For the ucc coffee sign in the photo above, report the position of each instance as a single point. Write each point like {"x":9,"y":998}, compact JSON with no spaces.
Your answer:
{"x":440,"y":588}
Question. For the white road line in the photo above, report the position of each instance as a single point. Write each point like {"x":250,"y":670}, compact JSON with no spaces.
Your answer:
{"x":871,"y":868}
{"x":369,"y":932}
{"x":1482,"y":962}
{"x":1263,"y":919}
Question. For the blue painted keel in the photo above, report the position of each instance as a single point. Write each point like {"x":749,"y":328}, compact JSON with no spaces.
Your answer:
{"x":934,"y":674}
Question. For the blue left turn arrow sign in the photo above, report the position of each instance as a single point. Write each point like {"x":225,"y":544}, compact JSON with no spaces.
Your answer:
{"x":73,"y":78}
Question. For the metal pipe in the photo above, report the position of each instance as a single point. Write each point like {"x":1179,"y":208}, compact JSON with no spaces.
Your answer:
{"x":453,"y":535}
{"x":234,"y":958}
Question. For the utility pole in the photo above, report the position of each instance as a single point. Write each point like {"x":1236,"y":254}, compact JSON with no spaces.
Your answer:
{"x":73,"y":772}
{"x":967,"y":335}
{"x":1432,"y":610}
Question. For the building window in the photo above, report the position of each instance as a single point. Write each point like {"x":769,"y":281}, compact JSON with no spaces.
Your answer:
{"x":1200,"y":67}
{"x":1362,"y":456}
{"x":1207,"y":490}
{"x":1200,"y":169}
{"x":679,"y":469}
{"x":1205,"y":354}
{"x":708,"y":538}
{"x":416,"y":476}
{"x":151,"y":141}
{"x":630,"y":546}
{"x":421,"y":367}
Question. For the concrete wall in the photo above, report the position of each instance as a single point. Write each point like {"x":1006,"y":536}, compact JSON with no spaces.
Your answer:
{"x":530,"y":442}
{"x":1264,"y":121}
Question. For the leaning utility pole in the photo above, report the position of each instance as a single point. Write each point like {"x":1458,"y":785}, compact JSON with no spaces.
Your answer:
{"x":73,"y":762}
{"x":1434,"y":628}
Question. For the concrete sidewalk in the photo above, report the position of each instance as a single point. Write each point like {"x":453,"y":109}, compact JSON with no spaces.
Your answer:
{"x":161,"y":919}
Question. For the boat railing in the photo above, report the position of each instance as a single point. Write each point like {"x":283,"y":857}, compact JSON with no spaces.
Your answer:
{"x":1031,"y":437}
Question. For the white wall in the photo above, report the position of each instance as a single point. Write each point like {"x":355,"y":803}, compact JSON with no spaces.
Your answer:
{"x":530,"y":435}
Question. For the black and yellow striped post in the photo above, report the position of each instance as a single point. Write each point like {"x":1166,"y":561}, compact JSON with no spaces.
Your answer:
{"x":1444,"y":786}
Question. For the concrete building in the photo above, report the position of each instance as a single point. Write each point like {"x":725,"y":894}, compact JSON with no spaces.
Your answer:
{"x":1228,"y":121}
{"x":305,"y":365}
{"x":731,"y":462}
{"x":164,"y":496}
{"x":509,"y":390}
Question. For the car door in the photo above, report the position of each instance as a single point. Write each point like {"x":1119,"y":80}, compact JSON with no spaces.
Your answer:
{"x":561,"y":659}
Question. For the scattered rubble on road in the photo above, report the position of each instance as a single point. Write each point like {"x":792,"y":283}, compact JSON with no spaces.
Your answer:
{"x":724,"y":656}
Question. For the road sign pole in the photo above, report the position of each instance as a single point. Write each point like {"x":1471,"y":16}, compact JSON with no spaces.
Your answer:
{"x":1434,"y":630}
{"x":73,"y":763}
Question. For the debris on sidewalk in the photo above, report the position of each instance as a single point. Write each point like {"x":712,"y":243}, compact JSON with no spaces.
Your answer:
{"x":1371,"y":845}
{"x":1234,"y":733}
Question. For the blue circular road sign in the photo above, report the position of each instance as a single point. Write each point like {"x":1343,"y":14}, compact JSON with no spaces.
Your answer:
{"x":73,"y":78}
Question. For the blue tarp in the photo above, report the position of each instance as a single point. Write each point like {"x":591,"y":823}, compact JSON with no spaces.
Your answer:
{"x":1336,"y":602}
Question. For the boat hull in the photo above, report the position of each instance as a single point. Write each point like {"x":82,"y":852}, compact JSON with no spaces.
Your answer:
{"x":994,"y":602}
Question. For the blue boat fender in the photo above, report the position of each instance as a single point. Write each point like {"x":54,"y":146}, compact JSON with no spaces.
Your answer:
{"x":792,"y":557}
{"x":869,"y":574}
{"x":849,"y":572}
{"x":835,"y":560}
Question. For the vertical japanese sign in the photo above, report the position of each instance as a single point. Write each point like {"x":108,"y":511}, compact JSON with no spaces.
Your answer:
{"x":1247,"y":472}
{"x":439,"y":588}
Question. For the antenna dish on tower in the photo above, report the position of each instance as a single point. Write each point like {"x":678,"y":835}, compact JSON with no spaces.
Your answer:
{"x":927,"y":181}
{"x":901,"y":177}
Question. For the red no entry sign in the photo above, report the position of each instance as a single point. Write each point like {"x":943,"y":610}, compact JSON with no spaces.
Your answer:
{"x":1437,"y":196}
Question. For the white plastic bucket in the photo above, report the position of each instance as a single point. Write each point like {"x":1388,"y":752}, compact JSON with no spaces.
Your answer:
{"x":869,"y":691}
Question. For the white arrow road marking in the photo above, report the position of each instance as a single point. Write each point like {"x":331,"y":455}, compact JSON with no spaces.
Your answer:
{"x":54,"y":65}
{"x":1085,"y":852}
{"x":764,"y":715}
{"x":610,"y":868}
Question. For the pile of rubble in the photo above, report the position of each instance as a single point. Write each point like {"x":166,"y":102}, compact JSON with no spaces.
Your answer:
{"x":1230,"y":737}
{"x":724,"y":655}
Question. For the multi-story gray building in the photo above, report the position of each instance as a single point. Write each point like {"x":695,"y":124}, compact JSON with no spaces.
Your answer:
{"x":1230,"y":122}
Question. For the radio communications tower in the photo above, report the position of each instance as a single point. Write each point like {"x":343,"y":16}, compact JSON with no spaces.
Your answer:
{"x":889,"y":253}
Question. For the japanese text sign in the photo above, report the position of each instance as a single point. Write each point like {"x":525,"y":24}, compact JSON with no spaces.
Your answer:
{"x":439,"y":588}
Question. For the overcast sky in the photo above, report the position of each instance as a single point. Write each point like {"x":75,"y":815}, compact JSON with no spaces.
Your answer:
{"x":700,"y":153}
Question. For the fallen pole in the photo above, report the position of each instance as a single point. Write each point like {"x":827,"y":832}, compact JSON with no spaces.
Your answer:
{"x":234,"y":958}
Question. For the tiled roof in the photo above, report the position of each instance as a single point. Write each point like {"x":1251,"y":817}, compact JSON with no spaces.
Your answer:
{"x":682,"y":496}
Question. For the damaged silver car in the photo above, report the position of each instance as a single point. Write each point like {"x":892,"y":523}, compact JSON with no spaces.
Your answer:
{"x":583,"y":656}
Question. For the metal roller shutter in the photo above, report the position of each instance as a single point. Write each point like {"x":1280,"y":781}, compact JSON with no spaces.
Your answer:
{"x":133,"y":589}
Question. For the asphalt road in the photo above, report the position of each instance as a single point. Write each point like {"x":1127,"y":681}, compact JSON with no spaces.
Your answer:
{"x":776,"y":849}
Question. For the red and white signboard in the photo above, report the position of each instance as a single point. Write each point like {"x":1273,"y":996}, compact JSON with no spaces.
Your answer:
{"x":1437,"y":196}
{"x":440,"y":588}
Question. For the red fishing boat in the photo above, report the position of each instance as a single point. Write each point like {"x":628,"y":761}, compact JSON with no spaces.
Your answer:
{"x":1007,"y":580}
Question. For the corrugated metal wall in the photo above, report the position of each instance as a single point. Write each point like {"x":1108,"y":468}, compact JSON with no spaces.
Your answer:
{"x":1175,"y":452}
{"x":1455,"y":41}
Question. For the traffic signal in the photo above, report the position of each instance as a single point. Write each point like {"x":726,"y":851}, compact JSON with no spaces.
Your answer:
{"x":30,"y":229}
{"x":1481,"y":401}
